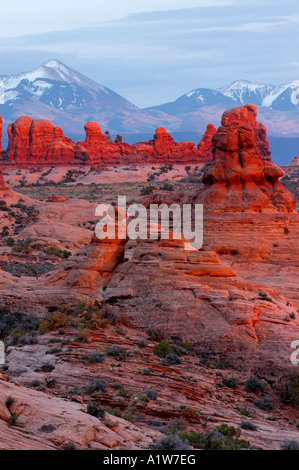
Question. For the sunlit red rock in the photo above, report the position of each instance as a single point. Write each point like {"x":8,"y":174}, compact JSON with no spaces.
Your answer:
{"x":241,"y":176}
{"x":38,"y":142}
{"x":205,"y":145}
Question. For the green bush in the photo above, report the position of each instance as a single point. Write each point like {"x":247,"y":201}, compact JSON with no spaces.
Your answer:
{"x":171,"y":443}
{"x":222,"y":437}
{"x":264,"y":403}
{"x":289,"y":389}
{"x":94,"y":409}
{"x":254,"y":384}
{"x":162,"y":349}
{"x":54,"y":321}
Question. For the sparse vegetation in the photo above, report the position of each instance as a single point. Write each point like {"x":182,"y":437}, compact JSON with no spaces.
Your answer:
{"x":162,"y":349}
{"x":94,"y":409}
{"x":222,"y":437}
{"x":254,"y":384}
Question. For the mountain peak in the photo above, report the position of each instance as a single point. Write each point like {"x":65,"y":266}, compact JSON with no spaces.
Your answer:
{"x":53,"y":63}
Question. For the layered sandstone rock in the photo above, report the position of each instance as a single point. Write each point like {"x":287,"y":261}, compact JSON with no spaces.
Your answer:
{"x":241,"y":176}
{"x":205,"y":145}
{"x":97,"y":147}
{"x":38,"y":142}
{"x":2,"y":182}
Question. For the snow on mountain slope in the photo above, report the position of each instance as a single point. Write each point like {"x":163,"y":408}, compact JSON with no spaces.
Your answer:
{"x":284,"y":97}
{"x":244,"y":92}
{"x":54,"y":89}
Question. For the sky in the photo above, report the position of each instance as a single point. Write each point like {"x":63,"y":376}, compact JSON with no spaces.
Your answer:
{"x":153,"y":51}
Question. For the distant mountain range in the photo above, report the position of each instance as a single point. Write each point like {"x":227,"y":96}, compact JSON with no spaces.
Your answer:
{"x":278,"y":106}
{"x":55,"y":91}
{"x":240,"y":92}
{"x":68,"y":98}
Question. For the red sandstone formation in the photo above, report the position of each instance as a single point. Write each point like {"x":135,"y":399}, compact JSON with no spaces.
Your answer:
{"x":241,"y":176}
{"x":3,"y":185}
{"x":205,"y":145}
{"x":96,"y":148}
{"x":38,"y":142}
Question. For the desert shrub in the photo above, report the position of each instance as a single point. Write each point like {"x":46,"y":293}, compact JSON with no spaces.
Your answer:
{"x":35,"y":383}
{"x":170,"y":443}
{"x":264,"y":403}
{"x":248,"y":426}
{"x":172,"y":359}
{"x":167,"y":187}
{"x":9,"y":401}
{"x":230,"y":382}
{"x":128,"y":415}
{"x":10,"y":241}
{"x":55,"y":251}
{"x":90,"y":315}
{"x":222,"y":437}
{"x":54,"y":321}
{"x":117,"y":352}
{"x":17,"y":323}
{"x":187,"y":345}
{"x":162,"y":349}
{"x":23,"y":246}
{"x":94,"y":357}
{"x":290,"y":444}
{"x":289,"y":389}
{"x":156,"y":422}
{"x":94,"y":409}
{"x":141,"y":343}
{"x":47,"y":367}
{"x":175,"y":426}
{"x":149,"y":189}
{"x":151,"y":393}
{"x":3,"y":206}
{"x":156,"y":334}
{"x":254,"y":384}
{"x":99,"y":385}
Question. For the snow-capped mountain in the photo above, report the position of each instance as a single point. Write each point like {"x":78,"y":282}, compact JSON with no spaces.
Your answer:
{"x":193,"y":100}
{"x":244,"y":92}
{"x":283,"y":98}
{"x":240,"y":92}
{"x":55,"y":91}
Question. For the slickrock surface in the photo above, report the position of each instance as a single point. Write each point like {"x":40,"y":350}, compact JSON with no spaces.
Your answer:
{"x":190,"y":391}
{"x":236,"y":302}
{"x":48,"y":423}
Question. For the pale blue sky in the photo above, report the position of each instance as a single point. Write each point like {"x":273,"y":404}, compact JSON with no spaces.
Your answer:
{"x":152,"y":51}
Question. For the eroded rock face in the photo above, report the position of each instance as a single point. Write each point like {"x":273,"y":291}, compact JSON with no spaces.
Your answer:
{"x":2,"y":182}
{"x":205,"y":145}
{"x":97,"y":147}
{"x":38,"y":142}
{"x":241,"y":176}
